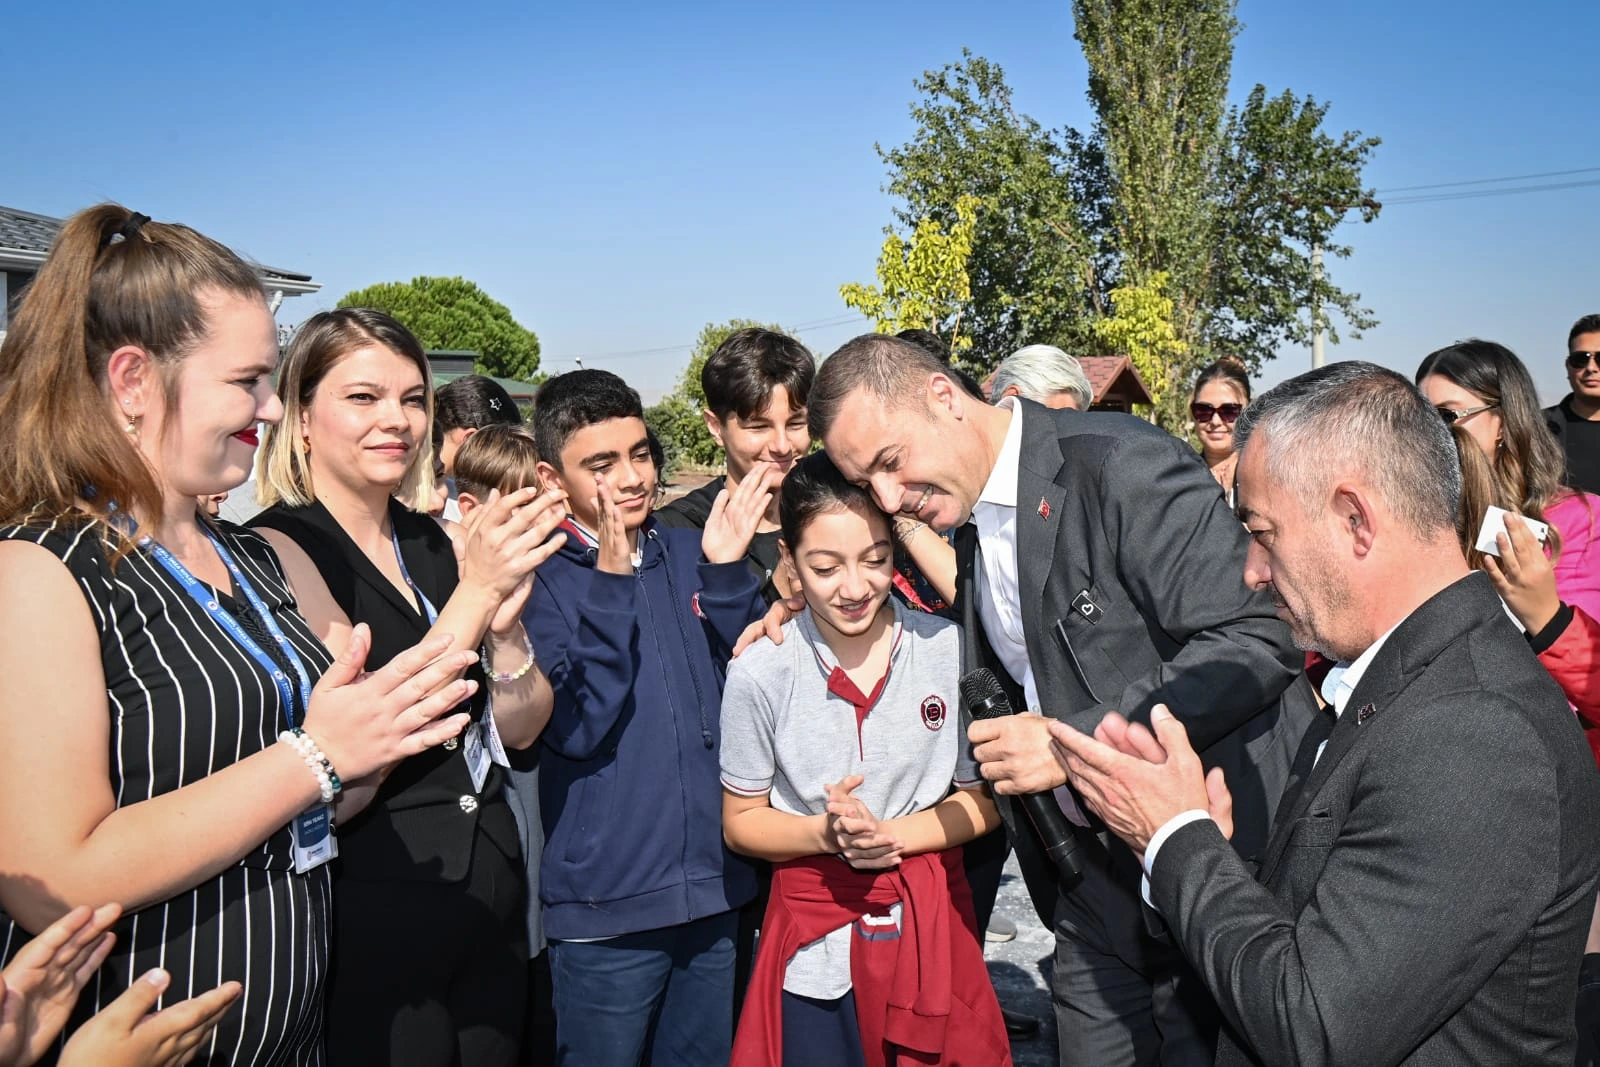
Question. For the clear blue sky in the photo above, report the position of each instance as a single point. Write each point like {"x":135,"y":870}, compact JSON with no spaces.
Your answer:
{"x":621,"y":174}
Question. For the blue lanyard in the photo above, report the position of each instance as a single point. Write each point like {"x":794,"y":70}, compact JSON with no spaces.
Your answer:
{"x":427,"y":605}
{"x":201,"y":595}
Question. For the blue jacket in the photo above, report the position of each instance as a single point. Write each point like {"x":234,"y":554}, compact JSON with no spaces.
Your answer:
{"x":629,"y":786}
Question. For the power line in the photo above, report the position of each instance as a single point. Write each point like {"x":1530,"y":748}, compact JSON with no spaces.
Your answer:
{"x":1490,"y":181}
{"x":634,"y":353}
{"x":1479,"y":194}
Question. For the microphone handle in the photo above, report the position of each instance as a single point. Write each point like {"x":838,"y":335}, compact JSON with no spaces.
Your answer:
{"x":1056,"y":836}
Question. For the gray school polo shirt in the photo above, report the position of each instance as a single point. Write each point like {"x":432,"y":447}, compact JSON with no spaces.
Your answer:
{"x":784,"y":734}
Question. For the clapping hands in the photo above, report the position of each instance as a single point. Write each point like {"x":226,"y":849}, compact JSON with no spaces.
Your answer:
{"x":40,"y":986}
{"x":865,"y":842}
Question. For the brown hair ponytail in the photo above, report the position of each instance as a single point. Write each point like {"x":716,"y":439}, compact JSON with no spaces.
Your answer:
{"x":112,"y":278}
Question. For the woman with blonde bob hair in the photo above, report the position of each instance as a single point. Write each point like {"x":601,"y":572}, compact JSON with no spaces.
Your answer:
{"x":429,"y":962}
{"x":174,"y":734}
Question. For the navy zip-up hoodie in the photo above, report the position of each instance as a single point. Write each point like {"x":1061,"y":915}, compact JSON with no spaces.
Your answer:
{"x":630,"y":790}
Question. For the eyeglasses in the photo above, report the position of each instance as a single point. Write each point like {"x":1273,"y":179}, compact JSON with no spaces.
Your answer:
{"x":1451,"y":416}
{"x":1580,"y":360}
{"x":1202,"y":413}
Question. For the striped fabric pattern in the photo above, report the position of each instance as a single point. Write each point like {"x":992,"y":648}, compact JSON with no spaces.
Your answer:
{"x":184,"y":702}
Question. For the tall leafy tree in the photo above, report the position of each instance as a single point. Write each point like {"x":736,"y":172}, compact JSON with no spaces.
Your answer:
{"x":453,"y":313}
{"x":1172,"y":196}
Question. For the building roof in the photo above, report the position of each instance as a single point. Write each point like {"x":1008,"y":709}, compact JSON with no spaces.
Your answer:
{"x":1114,"y":372}
{"x":31,"y":235}
{"x":517,"y":390}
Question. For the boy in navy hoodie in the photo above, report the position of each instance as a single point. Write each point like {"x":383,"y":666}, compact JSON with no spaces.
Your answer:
{"x":633,"y":623}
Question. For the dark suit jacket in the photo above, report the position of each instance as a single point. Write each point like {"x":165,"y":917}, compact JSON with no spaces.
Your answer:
{"x":417,"y":829}
{"x":1119,"y":517}
{"x":1427,"y":888}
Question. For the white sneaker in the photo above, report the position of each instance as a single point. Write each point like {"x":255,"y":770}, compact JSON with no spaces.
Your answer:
{"x":1001,"y":929}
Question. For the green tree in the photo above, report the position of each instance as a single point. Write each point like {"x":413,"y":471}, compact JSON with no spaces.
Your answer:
{"x":678,"y":420}
{"x":922,"y":283}
{"x":1033,"y":265}
{"x":1141,"y":326}
{"x":1224,"y":204}
{"x":453,"y":313}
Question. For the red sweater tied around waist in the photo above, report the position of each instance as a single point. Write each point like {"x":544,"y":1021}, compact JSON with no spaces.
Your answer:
{"x":923,"y":997}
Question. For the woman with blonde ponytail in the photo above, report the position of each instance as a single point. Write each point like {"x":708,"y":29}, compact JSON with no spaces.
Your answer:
{"x":174,"y":737}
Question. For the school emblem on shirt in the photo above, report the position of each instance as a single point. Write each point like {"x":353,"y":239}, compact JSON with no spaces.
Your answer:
{"x":933,"y":712}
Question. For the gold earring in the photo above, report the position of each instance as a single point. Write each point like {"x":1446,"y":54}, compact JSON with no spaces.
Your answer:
{"x":132,"y":428}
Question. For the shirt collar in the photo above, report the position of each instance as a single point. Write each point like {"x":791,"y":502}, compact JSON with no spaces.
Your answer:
{"x":1344,"y":677}
{"x":819,"y":644}
{"x":1001,"y":488}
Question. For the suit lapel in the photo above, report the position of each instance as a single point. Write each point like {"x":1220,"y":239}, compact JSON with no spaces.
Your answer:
{"x":1413,"y":645}
{"x":364,"y":570}
{"x":1040,"y":512}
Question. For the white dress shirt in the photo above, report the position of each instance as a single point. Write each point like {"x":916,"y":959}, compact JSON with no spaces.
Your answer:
{"x":1341,"y":681}
{"x":999,"y":602}
{"x":999,"y":598}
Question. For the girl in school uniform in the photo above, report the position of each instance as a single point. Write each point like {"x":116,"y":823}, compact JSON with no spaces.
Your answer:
{"x":845,"y":765}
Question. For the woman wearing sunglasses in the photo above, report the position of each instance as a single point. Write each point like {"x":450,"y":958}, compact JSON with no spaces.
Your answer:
{"x":1221,"y":392}
{"x":1509,"y":458}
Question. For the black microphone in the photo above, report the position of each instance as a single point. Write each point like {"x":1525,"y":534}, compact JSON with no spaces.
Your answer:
{"x":987,"y":699}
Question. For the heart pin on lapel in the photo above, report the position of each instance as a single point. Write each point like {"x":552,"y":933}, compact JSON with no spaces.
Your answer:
{"x":1367,"y":711}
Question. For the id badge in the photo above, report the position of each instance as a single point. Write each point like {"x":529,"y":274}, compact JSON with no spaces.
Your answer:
{"x":314,"y":840}
{"x":497,"y":750}
{"x":477,"y":755}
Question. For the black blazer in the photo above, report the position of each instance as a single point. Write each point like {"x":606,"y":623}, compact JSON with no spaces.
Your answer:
{"x":1131,"y":570}
{"x":423,"y":824}
{"x":1427,"y":889}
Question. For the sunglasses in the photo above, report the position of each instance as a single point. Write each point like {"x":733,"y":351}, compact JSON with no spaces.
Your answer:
{"x":1580,"y":360}
{"x":1451,"y":416}
{"x":1203,"y":413}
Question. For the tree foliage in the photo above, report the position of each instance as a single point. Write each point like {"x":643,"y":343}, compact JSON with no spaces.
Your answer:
{"x":922,"y":283}
{"x":1141,"y":326}
{"x":678,"y":420}
{"x":453,"y":313}
{"x":1221,"y":204}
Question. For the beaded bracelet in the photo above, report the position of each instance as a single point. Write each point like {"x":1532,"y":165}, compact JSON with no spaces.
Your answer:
{"x":327,"y":778}
{"x":527,"y":664}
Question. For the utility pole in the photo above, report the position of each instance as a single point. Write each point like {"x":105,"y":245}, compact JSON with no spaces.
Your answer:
{"x":1318,"y":325}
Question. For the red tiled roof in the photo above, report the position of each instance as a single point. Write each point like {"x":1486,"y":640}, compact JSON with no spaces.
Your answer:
{"x":1107,"y":371}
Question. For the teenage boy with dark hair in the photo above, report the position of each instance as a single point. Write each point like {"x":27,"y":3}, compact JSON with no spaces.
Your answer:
{"x":756,"y":384}
{"x":633,"y":624}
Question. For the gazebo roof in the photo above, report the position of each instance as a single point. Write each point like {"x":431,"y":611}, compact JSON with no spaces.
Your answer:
{"x":1115,"y":373}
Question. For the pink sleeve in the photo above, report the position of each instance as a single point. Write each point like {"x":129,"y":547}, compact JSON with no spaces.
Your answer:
{"x":1577,"y":517}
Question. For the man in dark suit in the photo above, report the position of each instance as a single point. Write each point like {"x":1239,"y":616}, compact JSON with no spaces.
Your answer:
{"x":1430,"y":876}
{"x":1102,"y":572}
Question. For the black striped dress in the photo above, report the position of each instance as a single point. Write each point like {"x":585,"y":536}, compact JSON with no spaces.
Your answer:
{"x":186,"y":701}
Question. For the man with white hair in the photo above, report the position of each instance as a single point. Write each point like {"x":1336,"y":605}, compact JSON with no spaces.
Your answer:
{"x":1044,"y":374}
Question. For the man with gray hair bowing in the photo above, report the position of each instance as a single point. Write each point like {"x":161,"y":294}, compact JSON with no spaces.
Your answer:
{"x":1427,"y":887}
{"x":1101,"y":572}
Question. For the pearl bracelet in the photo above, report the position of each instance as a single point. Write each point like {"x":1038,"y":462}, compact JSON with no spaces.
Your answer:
{"x":527,"y":665}
{"x":327,"y":778}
